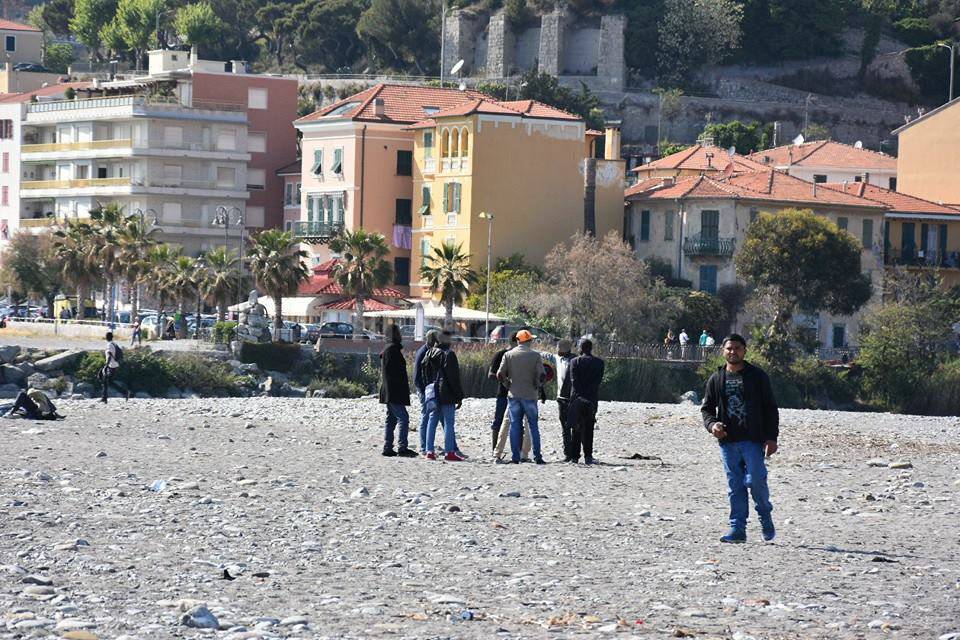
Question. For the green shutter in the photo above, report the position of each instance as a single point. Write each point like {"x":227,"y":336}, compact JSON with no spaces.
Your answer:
{"x":311,"y":206}
{"x":425,"y":207}
{"x":446,"y":198}
{"x":456,"y":197}
{"x":337,"y":161}
{"x":317,"y":167}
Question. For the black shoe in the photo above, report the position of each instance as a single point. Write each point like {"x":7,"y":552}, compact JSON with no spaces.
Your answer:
{"x":589,"y":461}
{"x":539,"y":461}
{"x":406,"y":453}
{"x":103,"y":400}
{"x":389,"y":453}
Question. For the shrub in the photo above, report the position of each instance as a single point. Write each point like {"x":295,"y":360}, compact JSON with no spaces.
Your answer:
{"x":271,"y":356}
{"x":206,"y":377}
{"x":337,"y":388}
{"x":142,"y":370}
{"x":223,"y":332}
{"x":633,"y":380}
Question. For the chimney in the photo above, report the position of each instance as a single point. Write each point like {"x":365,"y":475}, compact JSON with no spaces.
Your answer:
{"x":611,"y":140}
{"x":589,"y":196}
{"x":710,"y":160}
{"x":814,"y":188}
{"x":866,"y":177}
{"x":238,"y":66}
{"x":379,"y":107}
{"x":669,"y":181}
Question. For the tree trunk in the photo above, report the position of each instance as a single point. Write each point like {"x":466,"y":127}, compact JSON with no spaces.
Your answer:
{"x":358,"y":316}
{"x":134,"y":300}
{"x":278,"y":309}
{"x":221,"y":310}
{"x":448,"y":316}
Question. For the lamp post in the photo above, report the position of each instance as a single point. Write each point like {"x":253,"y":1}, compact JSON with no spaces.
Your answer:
{"x":140,"y":212}
{"x":483,"y":215}
{"x":223,"y":217}
{"x":200,"y":265}
{"x":953,"y":58}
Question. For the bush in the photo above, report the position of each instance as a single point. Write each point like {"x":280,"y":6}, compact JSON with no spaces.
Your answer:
{"x":940,"y":395}
{"x":272,"y":356}
{"x":633,"y":380}
{"x":206,"y":377}
{"x":337,"y":388}
{"x":224,"y":332}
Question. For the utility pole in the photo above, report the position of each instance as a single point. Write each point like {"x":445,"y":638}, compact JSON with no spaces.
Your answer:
{"x":489,"y":218}
{"x":953,"y":57}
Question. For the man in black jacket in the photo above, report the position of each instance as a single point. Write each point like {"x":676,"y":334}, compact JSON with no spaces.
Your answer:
{"x":502,"y":391}
{"x":440,"y":366}
{"x":739,"y":410}
{"x":395,"y":393}
{"x":583,"y":378}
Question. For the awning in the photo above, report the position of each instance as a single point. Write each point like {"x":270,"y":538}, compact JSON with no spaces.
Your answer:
{"x":437,"y":312}
{"x":297,"y":306}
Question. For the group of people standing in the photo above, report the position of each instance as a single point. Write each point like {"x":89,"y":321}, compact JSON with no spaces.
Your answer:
{"x":522,"y":379}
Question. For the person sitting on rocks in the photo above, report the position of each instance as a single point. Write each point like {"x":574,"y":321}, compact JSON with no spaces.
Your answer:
{"x":33,"y":404}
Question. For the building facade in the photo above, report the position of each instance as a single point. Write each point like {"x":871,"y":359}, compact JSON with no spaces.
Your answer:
{"x":697,"y":225}
{"x":929,"y":154}
{"x":825,"y":161}
{"x":292,"y":188}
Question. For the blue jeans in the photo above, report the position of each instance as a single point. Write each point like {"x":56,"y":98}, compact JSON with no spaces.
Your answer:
{"x":396,"y":415}
{"x":745,"y":467}
{"x":447,"y":413}
{"x":498,"y":414}
{"x":519,"y":408}
{"x":424,"y":419}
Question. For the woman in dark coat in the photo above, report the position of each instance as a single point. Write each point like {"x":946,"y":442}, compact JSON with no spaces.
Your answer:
{"x":395,"y":393}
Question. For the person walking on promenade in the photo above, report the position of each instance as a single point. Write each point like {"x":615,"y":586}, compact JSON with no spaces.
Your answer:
{"x":740,"y":411}
{"x":420,"y":382}
{"x":112,"y":354}
{"x":137,"y":336}
{"x":395,"y":393}
{"x":442,"y":368}
{"x":521,"y":372}
{"x":684,"y":341}
{"x":584,"y":376}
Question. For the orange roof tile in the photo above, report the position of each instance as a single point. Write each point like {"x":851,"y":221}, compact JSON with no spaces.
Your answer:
{"x":350,"y":304}
{"x":324,"y":285}
{"x":402,"y":103}
{"x":824,"y":153}
{"x":695,"y":159}
{"x":9,"y":25}
{"x":896,"y":201}
{"x":52,"y":90}
{"x":534,"y":109}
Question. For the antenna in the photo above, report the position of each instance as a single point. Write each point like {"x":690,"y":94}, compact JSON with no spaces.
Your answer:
{"x":456,"y":68}
{"x":463,"y":86}
{"x":858,"y":144}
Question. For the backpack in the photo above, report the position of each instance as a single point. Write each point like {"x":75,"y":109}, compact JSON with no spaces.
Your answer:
{"x":117,"y":353}
{"x":431,"y":394}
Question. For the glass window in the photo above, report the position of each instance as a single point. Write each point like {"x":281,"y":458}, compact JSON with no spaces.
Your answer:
{"x":404,"y":163}
{"x":424,"y":251}
{"x":226,"y":177}
{"x":753,"y":214}
{"x":892,"y":184}
{"x":819,"y":178}
{"x":404,"y":212}
{"x":668,"y":225}
{"x":256,"y":98}
{"x":427,"y":145}
{"x":288,"y":194}
{"x":6,"y":129}
{"x":256,"y":178}
{"x":10,"y":44}
{"x":709,"y":225}
{"x":257,"y":142}
{"x":867,"y":237}
{"x":401,"y":271}
{"x":644,"y":226}
{"x":843,"y":223}
{"x":227,"y":140}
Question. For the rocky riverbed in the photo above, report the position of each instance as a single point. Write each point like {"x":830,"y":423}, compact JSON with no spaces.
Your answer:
{"x":276,"y":517}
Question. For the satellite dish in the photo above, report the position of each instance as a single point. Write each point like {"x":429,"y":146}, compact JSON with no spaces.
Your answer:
{"x":463,"y":86}
{"x":732,"y":151}
{"x":456,"y":67}
{"x":798,"y":140}
{"x":858,"y":144}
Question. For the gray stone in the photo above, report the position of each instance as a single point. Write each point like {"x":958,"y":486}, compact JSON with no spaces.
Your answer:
{"x":690,"y":397}
{"x":59,"y":361}
{"x":72,"y":624}
{"x":37,"y":579}
{"x":901,"y":464}
{"x":199,"y":617}
{"x":12,"y":373}
{"x":8,"y":353}
{"x":39,"y":381}
{"x":84,"y":388}
{"x":9,"y":391}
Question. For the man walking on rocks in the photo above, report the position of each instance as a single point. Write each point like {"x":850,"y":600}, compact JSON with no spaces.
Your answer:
{"x":584,"y":375}
{"x":395,"y":393}
{"x":441,"y":367}
{"x":521,"y":372}
{"x":739,"y":410}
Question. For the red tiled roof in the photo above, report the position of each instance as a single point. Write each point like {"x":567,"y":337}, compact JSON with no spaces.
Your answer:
{"x":534,"y":109}
{"x":9,"y":25}
{"x":896,"y":201}
{"x":760,"y":186}
{"x":350,"y":304}
{"x":824,"y":153}
{"x":291,"y":169}
{"x":323,"y":285}
{"x":402,"y":103}
{"x":52,"y":90}
{"x":695,"y":159}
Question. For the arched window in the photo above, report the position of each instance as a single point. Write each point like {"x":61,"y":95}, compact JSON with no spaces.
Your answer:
{"x":444,"y":143}
{"x":455,"y":143}
{"x":464,"y":143}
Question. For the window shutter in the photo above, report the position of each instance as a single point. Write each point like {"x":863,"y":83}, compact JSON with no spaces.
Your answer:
{"x":446,"y":198}
{"x":425,"y":207}
{"x":923,"y":237}
{"x":456,"y":196}
{"x":317,"y":168}
{"x":943,"y":241}
{"x":338,"y":161}
{"x":311,"y":207}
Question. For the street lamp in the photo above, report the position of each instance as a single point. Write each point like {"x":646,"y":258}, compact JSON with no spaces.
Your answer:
{"x":223,"y":217}
{"x":483,"y":215}
{"x":161,"y":43}
{"x":200,"y":265}
{"x":952,"y":59}
{"x":155,"y":220}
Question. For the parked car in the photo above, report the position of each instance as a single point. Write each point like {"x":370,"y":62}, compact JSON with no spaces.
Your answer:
{"x":31,"y":67}
{"x":336,"y":330}
{"x":312,"y":333}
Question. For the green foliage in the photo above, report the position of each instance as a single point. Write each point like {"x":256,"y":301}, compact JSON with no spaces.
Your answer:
{"x":632,"y":380}
{"x":511,"y":294}
{"x":449,"y":276}
{"x":916,"y":32}
{"x":278,"y":266}
{"x":401,"y":34}
{"x":135,"y":24}
{"x":929,"y":66}
{"x":516,"y":13}
{"x":792,"y":29}
{"x":206,"y":377}
{"x":31,"y":267}
{"x":325,"y":34}
{"x":697,"y":309}
{"x":694,"y":33}
{"x":56,"y":15}
{"x":668,"y":148}
{"x":546,"y":89}
{"x":142,"y":370}
{"x":337,"y":388}
{"x":745,"y":138}
{"x":224,"y":332}
{"x":89,"y":19}
{"x":58,"y":57}
{"x":362,"y":267}
{"x":198,"y":24}
{"x":272,"y":356}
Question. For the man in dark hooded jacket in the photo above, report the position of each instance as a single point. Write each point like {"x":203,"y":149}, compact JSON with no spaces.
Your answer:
{"x":395,"y":393}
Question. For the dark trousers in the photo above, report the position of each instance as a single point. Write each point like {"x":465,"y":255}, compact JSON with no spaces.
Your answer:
{"x":582,"y":434}
{"x":564,"y":405}
{"x":498,"y":415}
{"x":106,"y":378}
{"x":30,"y":408}
{"x":397,"y":415}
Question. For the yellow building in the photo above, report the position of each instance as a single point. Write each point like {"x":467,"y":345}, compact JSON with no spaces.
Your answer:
{"x":929,"y":154}
{"x":523,"y":162}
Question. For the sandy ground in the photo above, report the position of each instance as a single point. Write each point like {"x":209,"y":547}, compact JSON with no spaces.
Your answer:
{"x":322,"y":537}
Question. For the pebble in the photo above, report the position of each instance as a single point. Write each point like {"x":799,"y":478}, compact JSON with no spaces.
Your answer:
{"x":199,"y":617}
{"x":72,"y":624}
{"x":901,"y":464}
{"x":36,"y":579}
{"x":362,"y":492}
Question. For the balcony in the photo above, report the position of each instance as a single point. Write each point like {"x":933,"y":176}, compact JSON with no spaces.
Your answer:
{"x":454,"y":164}
{"x":430,"y":165}
{"x":698,"y":246}
{"x":315,"y":232}
{"x":920,"y":258}
{"x":75,"y":184}
{"x":90,"y":145}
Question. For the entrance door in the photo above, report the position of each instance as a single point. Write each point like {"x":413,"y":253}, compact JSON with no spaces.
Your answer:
{"x":908,"y":246}
{"x":708,"y":278}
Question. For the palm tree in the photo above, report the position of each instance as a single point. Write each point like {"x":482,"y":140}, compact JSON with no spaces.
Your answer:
{"x":134,"y":239}
{"x":76,"y":249}
{"x":278,"y":267}
{"x":157,"y":273}
{"x":221,"y":284}
{"x":362,"y":269}
{"x":106,"y":222}
{"x":449,"y":275}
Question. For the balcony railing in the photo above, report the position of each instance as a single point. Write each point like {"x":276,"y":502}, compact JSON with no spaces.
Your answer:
{"x":90,"y":145}
{"x":931,"y":258}
{"x":317,"y":232}
{"x":38,"y":222}
{"x":130,"y":101}
{"x":75,"y":184}
{"x":698,"y":246}
{"x":454,"y":164}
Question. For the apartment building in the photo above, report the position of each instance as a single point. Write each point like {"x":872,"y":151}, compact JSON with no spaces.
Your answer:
{"x":21,"y":43}
{"x":929,"y":154}
{"x":696,"y":224}
{"x":292,"y":188}
{"x":824,"y":161}
{"x":357,"y":168}
{"x":699,"y":159}
{"x":531,"y":166}
{"x":178,"y":145}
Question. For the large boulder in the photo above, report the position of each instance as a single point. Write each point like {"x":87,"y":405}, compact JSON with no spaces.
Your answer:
{"x":39,"y":381}
{"x":12,"y":374}
{"x":8,"y":353}
{"x":58,"y":361}
{"x":85,"y":389}
{"x":8,"y":391}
